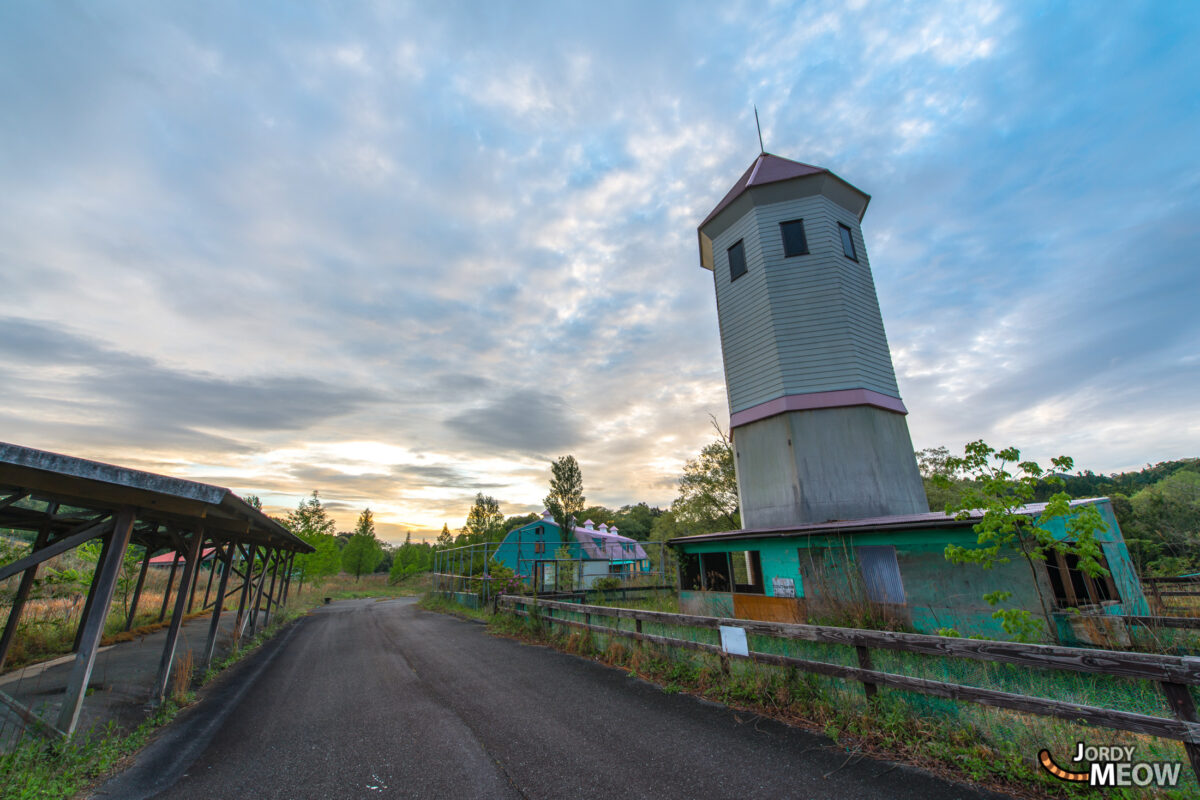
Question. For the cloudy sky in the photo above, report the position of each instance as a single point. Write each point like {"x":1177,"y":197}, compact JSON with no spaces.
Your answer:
{"x":402,"y":253}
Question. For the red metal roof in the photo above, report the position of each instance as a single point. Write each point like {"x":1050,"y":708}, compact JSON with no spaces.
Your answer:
{"x":765,"y":169}
{"x":166,"y":559}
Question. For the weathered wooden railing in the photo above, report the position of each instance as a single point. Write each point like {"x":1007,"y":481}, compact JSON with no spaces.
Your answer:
{"x":1174,"y":587}
{"x":1174,"y":674}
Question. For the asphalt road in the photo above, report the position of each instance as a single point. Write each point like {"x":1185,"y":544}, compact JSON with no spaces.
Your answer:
{"x":371,"y":699}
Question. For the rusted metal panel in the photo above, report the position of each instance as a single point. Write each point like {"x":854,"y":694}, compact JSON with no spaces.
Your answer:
{"x":768,"y":609}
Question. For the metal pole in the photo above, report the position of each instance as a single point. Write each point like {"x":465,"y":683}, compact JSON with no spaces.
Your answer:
{"x":162,"y":613}
{"x":214,"y":626}
{"x":93,"y":625}
{"x":18,"y":604}
{"x":137,"y":590}
{"x":181,"y":601}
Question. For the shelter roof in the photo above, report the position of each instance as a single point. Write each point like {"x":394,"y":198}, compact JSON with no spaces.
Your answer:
{"x":58,"y":492}
{"x":896,"y":522}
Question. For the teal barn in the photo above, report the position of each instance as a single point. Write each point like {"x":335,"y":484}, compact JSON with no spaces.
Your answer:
{"x":600,"y":552}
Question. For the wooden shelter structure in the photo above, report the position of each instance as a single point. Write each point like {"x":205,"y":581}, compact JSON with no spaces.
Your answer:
{"x":67,"y":501}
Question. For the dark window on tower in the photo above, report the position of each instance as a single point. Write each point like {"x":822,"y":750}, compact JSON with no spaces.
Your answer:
{"x":737,"y":261}
{"x":794,"y":243}
{"x":847,"y":243}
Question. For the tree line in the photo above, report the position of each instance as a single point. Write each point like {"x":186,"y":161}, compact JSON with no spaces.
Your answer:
{"x":358,"y":553}
{"x":1157,"y":507}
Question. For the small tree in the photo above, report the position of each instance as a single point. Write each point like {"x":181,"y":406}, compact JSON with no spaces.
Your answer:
{"x":708,"y":497}
{"x":484,"y":520}
{"x":565,"y":501}
{"x":362,"y":552}
{"x":445,"y":538}
{"x":312,"y":524}
{"x":1000,"y":484}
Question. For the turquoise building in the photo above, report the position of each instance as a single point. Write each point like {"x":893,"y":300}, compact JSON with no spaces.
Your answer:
{"x":896,"y":566}
{"x":531,"y":551}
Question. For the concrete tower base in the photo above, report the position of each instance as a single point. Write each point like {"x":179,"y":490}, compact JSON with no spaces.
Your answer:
{"x":826,"y":464}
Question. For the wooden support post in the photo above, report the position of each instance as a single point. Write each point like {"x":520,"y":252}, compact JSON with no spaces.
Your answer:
{"x":271,"y":592}
{"x":137,"y":589}
{"x":1179,"y":696}
{"x":212,"y":571}
{"x":91,"y":595}
{"x":239,"y":622}
{"x":86,"y":531}
{"x":93,"y":624}
{"x":30,"y":719}
{"x":162,"y":613}
{"x":258,"y":591}
{"x":195,"y":578}
{"x":18,"y":603}
{"x":287,"y":580}
{"x":211,"y":643}
{"x":1162,"y":607}
{"x":190,"y":567}
{"x":864,"y":661}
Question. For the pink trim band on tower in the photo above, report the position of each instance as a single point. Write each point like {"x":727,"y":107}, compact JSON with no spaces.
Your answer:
{"x":814,"y":400}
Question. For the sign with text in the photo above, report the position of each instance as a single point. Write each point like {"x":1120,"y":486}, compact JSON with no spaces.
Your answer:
{"x":733,"y":641}
{"x":783,"y":587}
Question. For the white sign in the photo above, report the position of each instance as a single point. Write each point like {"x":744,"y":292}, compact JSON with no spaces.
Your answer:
{"x":783,"y":587}
{"x":733,"y":641}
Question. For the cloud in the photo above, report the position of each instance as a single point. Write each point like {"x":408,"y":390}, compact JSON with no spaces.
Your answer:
{"x":529,"y":421}
{"x":410,"y":253}
{"x":54,"y":368}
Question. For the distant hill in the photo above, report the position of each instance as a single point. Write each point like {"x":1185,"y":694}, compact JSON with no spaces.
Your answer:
{"x":1091,"y":484}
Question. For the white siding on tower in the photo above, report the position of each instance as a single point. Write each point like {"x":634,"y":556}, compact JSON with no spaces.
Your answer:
{"x":804,"y":324}
{"x":747,"y":338}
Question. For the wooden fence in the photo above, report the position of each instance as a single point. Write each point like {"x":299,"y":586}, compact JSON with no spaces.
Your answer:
{"x":1159,"y":588}
{"x":1173,"y":674}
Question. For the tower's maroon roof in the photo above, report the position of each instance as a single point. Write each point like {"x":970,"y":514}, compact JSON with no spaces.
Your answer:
{"x":765,"y":169}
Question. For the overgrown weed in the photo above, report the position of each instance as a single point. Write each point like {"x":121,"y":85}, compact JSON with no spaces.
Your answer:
{"x":992,"y":747}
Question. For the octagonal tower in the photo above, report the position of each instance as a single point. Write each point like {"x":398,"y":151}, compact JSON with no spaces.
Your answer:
{"x":819,"y":429}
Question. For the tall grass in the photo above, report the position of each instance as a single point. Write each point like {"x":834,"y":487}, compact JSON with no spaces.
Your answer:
{"x":48,"y":625}
{"x":996,"y":747}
